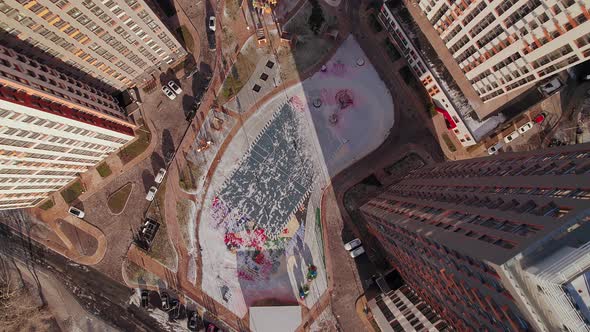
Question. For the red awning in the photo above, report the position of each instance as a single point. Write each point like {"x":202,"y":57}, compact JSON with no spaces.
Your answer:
{"x":448,"y":119}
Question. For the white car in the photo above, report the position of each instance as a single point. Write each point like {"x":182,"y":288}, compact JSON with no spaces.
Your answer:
{"x":174,"y":87}
{"x":160,"y":175}
{"x":493,"y":149}
{"x":511,"y":137}
{"x":357,"y":252}
{"x":168,"y":92}
{"x":76,"y":212}
{"x":352,"y":244}
{"x":151,"y":193}
{"x":211,"y":23}
{"x":525,"y":127}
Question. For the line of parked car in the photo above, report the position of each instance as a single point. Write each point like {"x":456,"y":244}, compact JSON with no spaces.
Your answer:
{"x":153,"y":189}
{"x":515,"y":134}
{"x":173,"y":307}
{"x":171,"y":90}
{"x":354,"y":248}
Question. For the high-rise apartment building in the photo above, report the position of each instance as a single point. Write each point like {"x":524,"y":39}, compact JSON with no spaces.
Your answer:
{"x":52,"y":127}
{"x":117,"y":42}
{"x":494,"y":48}
{"x":496,"y":243}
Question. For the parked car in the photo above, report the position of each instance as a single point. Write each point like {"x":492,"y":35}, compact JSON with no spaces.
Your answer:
{"x":357,"y":252}
{"x":352,"y":244}
{"x":144,"y":298}
{"x":151,"y":193}
{"x":160,"y":175}
{"x":76,"y":212}
{"x":194,"y":321}
{"x":525,"y":127}
{"x":494,"y":148}
{"x":511,"y":137}
{"x":174,"y":87}
{"x":168,"y":92}
{"x":165,"y":301}
{"x":540,"y":118}
{"x":211,"y":23}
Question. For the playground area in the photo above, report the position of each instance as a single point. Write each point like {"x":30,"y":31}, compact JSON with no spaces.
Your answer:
{"x":260,"y":225}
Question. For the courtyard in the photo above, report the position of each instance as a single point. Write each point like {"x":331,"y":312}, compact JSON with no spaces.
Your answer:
{"x":259,"y":225}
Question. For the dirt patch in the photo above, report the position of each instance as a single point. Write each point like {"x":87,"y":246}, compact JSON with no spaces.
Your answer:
{"x":184,"y":212}
{"x":48,"y":204}
{"x":72,"y":192}
{"x":136,"y":147}
{"x":117,"y":201}
{"x":82,"y":241}
{"x":232,"y":8}
{"x":104,"y":170}
{"x":189,"y":176}
{"x":137,"y":274}
{"x":241,"y":70}
{"x":162,"y":250}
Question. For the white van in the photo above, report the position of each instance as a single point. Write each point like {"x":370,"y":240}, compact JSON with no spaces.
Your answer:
{"x":160,"y":175}
{"x":352,"y":244}
{"x":151,"y":193}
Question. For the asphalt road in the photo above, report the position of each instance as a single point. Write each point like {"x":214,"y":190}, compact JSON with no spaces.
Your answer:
{"x":98,"y":294}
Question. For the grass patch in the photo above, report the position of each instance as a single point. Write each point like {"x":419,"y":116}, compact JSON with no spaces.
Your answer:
{"x":48,"y":204}
{"x":189,"y":176}
{"x":187,"y":38}
{"x":72,"y":192}
{"x":431,"y":110}
{"x":136,"y":147}
{"x":375,"y":25}
{"x":139,"y":275}
{"x":239,"y":74}
{"x":449,"y":143}
{"x":391,"y":50}
{"x":162,"y":250}
{"x":184,"y":208}
{"x":232,"y":8}
{"x":104,"y":170}
{"x":118,"y":199}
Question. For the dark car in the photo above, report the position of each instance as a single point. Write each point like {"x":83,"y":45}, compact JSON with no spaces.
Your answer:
{"x":165,"y":301}
{"x":144,"y":298}
{"x":194,"y":322}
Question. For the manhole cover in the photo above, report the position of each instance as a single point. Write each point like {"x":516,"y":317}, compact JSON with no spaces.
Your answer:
{"x":360,"y":61}
{"x":317,"y":102}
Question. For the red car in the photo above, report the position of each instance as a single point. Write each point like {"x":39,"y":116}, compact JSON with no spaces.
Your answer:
{"x":540,"y":118}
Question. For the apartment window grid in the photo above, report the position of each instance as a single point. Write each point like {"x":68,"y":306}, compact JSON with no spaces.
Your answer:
{"x":72,"y":28}
{"x":451,"y":22}
{"x":465,"y":275}
{"x":37,"y":132}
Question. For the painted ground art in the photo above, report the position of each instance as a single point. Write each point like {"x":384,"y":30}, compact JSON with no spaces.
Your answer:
{"x":260,"y":226}
{"x":259,"y":210}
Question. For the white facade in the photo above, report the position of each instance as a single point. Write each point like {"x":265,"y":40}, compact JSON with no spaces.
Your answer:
{"x":429,"y":80}
{"x":114,"y":41}
{"x":503,"y":45}
{"x":41,"y":150}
